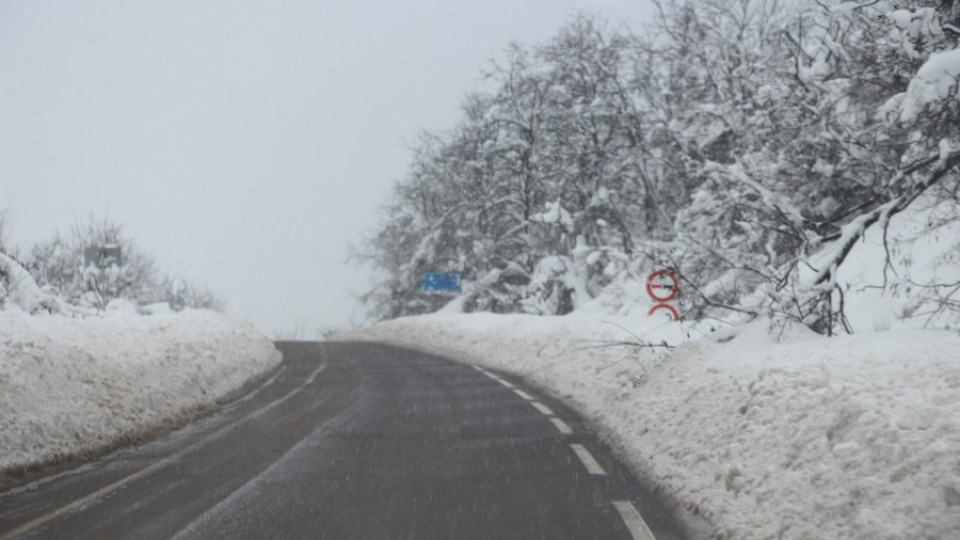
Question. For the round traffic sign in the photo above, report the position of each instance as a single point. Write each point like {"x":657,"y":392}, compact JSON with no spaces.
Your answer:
{"x":674,"y":315}
{"x":662,"y":285}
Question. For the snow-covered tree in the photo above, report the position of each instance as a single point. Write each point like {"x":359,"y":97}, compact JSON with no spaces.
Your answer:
{"x":733,"y":141}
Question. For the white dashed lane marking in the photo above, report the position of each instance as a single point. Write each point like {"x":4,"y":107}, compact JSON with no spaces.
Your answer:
{"x":495,"y":377}
{"x":523,"y":394}
{"x":498,"y":379}
{"x":635,"y":524}
{"x":542,"y":408}
{"x":631,"y":517}
{"x":562,"y":426}
{"x":587,"y":459}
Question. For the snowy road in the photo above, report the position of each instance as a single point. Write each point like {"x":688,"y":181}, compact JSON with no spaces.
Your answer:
{"x":355,"y":441}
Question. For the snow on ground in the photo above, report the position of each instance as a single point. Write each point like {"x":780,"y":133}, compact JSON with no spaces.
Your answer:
{"x":73,"y":388}
{"x":851,"y":437}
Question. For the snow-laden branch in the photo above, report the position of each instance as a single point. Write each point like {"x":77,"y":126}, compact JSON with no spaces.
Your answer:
{"x":555,"y":214}
{"x":787,"y":210}
{"x":943,"y":164}
{"x":934,"y":84}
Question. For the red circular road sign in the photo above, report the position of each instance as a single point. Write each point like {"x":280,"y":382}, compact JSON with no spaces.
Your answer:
{"x":668,"y":307}
{"x":662,"y":280}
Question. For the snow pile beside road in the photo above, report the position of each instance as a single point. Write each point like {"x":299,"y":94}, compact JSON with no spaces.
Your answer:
{"x":848,"y":437}
{"x":73,"y":388}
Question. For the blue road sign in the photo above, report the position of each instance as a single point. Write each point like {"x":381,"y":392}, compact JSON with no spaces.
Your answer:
{"x":441,"y":283}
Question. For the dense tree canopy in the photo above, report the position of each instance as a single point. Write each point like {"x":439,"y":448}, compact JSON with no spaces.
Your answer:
{"x":729,"y":141}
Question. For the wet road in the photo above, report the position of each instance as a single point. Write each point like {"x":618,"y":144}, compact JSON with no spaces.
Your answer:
{"x":355,"y":441}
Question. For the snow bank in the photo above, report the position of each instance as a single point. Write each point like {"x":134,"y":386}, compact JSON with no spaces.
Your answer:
{"x":72,"y":388}
{"x":849,"y":437}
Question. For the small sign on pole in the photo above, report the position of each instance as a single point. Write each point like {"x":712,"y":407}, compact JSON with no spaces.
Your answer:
{"x":663,"y":286}
{"x":441,"y":283}
{"x":102,"y":256}
{"x":176,"y":301}
{"x":669,"y":309}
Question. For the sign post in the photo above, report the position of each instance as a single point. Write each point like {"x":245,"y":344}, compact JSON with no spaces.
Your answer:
{"x":176,"y":301}
{"x":102,"y":256}
{"x":663,"y":286}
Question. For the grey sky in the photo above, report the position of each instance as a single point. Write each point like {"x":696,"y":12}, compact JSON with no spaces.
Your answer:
{"x":241,"y":143}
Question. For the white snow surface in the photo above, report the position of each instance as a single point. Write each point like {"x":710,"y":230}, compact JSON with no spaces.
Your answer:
{"x":908,"y":281}
{"x":18,"y":288}
{"x":937,"y":80}
{"x":788,"y":436}
{"x":76,"y":387}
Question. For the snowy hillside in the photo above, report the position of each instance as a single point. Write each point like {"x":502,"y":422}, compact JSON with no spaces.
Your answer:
{"x":73,"y":388}
{"x":811,"y":438}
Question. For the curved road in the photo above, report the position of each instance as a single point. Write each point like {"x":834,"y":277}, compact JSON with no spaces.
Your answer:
{"x":355,"y":441}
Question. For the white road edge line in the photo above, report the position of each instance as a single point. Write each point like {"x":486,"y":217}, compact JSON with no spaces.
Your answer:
{"x":33,"y":524}
{"x":523,"y":394}
{"x":503,"y":382}
{"x":478,"y":368}
{"x":587,"y":459}
{"x":562,"y":426}
{"x":635,"y":524}
{"x":542,"y":408}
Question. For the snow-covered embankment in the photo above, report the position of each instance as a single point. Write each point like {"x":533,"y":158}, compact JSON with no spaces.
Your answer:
{"x":849,"y":437}
{"x":72,"y":388}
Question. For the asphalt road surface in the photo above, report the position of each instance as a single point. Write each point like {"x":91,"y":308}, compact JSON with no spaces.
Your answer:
{"x":355,"y":441}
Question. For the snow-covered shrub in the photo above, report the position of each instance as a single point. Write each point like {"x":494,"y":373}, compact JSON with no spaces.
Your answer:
{"x":500,"y":291}
{"x":58,"y":263}
{"x":57,"y":267}
{"x":18,"y":289}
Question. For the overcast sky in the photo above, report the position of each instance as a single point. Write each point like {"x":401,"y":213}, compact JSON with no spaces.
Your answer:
{"x":244,"y":144}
